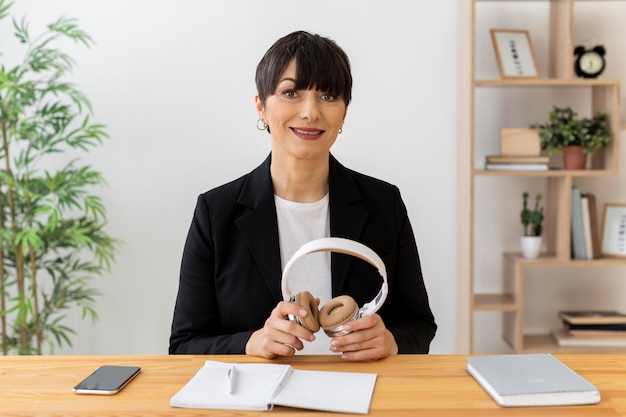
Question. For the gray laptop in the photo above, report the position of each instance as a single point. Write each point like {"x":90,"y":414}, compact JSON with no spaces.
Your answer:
{"x":531,"y":380}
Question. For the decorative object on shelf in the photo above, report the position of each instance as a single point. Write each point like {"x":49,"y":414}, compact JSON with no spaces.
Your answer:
{"x":614,"y":231}
{"x":589,"y":63}
{"x":519,"y":142}
{"x":514,"y":53}
{"x":573,"y":136}
{"x":532,"y":220}
{"x":52,"y":237}
{"x":520,"y":150}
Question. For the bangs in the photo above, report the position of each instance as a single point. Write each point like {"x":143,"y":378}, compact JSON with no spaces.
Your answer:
{"x":318,"y":69}
{"x":320,"y":64}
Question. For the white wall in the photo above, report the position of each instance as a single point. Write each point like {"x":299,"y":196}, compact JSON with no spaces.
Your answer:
{"x":174,"y":83}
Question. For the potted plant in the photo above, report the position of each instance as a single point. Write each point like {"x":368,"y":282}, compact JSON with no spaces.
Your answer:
{"x":52,"y":238}
{"x":532,"y":220}
{"x":575,"y":137}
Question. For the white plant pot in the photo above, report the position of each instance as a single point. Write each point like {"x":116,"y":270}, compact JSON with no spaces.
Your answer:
{"x":531,"y":246}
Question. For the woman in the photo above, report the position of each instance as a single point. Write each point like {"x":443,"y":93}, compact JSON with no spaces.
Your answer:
{"x":242,"y":233}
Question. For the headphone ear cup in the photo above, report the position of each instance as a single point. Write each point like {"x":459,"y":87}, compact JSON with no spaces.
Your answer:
{"x":337,"y":312}
{"x":306,"y":300}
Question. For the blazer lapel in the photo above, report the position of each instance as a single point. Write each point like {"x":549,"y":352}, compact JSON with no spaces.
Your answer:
{"x":346,"y":219}
{"x":260,"y":226}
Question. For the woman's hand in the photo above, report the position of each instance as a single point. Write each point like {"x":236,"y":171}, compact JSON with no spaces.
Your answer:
{"x":369,"y":339}
{"x":279,"y":336}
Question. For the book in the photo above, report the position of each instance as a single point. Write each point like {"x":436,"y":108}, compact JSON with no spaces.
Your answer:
{"x":595,"y":225}
{"x":518,"y":159}
{"x":524,"y":380}
{"x":516,"y":167}
{"x":563,"y":338}
{"x":584,"y":207}
{"x":260,"y":386}
{"x":596,"y":334}
{"x":592,"y":317}
{"x":615,"y":327}
{"x":578,"y":239}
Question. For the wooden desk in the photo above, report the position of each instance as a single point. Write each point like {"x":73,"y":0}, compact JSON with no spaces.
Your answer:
{"x":407,"y":385}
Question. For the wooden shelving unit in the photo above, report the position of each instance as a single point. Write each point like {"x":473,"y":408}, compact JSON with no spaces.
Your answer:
{"x":604,"y":95}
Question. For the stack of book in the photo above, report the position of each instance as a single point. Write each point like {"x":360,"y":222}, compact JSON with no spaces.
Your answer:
{"x":585,"y":229}
{"x":517,"y":163}
{"x":600,"y":328}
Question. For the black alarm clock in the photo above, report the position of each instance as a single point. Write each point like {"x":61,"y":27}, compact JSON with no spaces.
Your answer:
{"x":589,"y":63}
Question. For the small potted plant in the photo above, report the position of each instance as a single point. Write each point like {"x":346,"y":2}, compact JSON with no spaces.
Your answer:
{"x":532,"y":220}
{"x":573,"y":136}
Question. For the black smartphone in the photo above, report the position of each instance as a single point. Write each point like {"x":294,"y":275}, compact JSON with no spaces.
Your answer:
{"x":107,"y":380}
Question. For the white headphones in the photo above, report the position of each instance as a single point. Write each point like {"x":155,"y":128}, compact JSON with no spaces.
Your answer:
{"x":340,"y":310}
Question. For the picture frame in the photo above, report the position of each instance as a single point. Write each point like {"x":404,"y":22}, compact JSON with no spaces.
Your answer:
{"x":614,"y":231}
{"x":514,"y":53}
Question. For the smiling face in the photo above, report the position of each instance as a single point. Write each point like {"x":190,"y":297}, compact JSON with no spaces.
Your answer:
{"x":304,"y":124}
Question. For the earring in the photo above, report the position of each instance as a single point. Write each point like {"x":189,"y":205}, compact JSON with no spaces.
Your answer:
{"x":340,"y":130}
{"x":261,"y":125}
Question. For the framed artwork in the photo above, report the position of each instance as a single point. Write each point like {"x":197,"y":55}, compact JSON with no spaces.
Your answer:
{"x":514,"y":53}
{"x":614,"y":231}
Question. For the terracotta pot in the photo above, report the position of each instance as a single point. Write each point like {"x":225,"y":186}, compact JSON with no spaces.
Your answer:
{"x":574,"y":157}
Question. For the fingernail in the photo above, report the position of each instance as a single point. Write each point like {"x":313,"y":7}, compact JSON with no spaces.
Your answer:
{"x":302,"y":313}
{"x":334,"y":343}
{"x":347,"y":328}
{"x":312,"y":338}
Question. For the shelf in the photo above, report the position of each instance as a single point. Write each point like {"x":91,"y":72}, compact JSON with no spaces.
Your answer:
{"x":549,"y":173}
{"x":545,"y":343}
{"x":546,"y":82}
{"x":551,"y":260}
{"x":495,"y":302}
{"x":488,"y":103}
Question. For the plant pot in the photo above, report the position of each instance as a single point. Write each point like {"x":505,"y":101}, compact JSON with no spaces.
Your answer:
{"x":574,"y":157}
{"x":531,"y":246}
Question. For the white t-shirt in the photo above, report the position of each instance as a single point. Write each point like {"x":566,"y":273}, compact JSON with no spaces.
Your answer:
{"x":299,"y":223}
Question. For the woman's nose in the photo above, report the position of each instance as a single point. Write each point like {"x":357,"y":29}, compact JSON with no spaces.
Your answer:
{"x":310,"y":108}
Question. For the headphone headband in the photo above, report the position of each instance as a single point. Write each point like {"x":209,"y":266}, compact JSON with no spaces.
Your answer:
{"x":348,"y":247}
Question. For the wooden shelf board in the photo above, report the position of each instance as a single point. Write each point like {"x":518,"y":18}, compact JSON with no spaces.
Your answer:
{"x":551,"y":260}
{"x":494,"y":302}
{"x":549,"y":173}
{"x":546,"y":82}
{"x":546,"y":343}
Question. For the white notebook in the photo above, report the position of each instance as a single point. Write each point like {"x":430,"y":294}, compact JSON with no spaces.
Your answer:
{"x":531,"y":380}
{"x":261,"y":386}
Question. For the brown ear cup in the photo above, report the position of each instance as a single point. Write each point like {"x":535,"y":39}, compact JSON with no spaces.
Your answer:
{"x":337,"y":312}
{"x":306,"y":300}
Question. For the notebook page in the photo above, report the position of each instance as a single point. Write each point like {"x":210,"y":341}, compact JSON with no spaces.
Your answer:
{"x":340,"y":392}
{"x":254,"y":388}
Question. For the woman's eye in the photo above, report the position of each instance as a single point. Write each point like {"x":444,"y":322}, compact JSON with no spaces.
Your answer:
{"x":290,"y":93}
{"x":328,"y":97}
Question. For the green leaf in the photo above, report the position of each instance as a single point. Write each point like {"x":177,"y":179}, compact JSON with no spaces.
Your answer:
{"x":4,"y":7}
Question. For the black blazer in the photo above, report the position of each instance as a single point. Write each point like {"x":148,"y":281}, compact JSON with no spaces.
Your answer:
{"x":230,"y":278}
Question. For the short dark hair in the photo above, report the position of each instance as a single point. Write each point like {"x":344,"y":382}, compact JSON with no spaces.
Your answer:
{"x":320,"y":64}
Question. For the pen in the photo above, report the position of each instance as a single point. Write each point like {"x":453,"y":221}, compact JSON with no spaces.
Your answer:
{"x":232,"y":378}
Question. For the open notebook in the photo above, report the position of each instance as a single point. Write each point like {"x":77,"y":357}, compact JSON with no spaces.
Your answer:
{"x":261,"y":386}
{"x":531,"y":380}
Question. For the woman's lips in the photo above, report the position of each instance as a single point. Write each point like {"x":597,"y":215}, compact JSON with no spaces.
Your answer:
{"x":307,"y":133}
